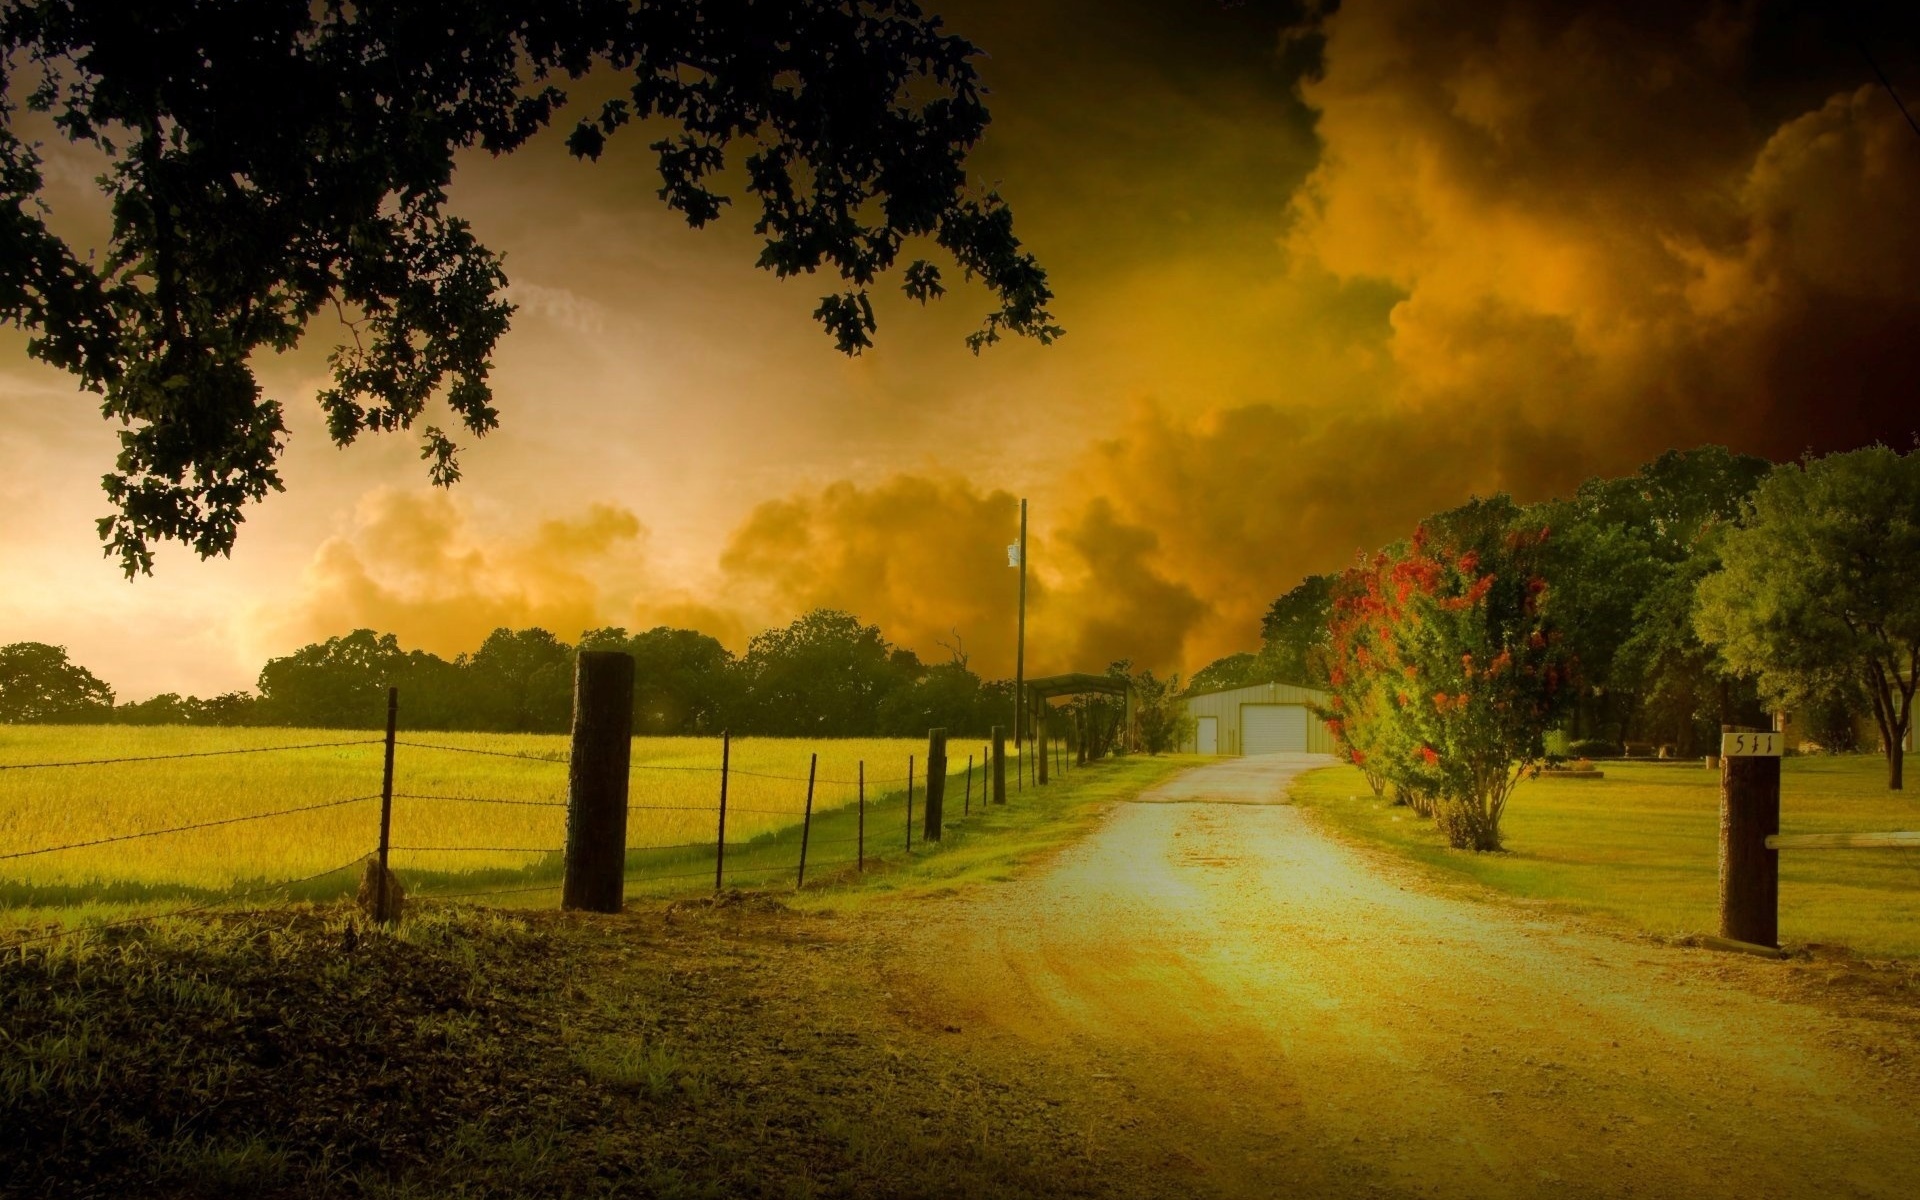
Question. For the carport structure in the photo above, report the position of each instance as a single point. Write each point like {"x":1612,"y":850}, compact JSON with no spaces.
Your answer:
{"x":1040,"y":691}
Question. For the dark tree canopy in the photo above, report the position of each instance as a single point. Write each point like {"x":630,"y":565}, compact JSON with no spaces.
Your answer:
{"x":1235,"y":670}
{"x":39,"y":683}
{"x":271,"y":161}
{"x":1292,"y":633}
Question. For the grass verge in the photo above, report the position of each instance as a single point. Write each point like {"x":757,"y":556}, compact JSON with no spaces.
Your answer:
{"x":725,"y":1046}
{"x":1641,"y":846}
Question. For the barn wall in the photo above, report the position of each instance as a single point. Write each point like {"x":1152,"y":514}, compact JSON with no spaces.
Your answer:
{"x":1225,"y":707}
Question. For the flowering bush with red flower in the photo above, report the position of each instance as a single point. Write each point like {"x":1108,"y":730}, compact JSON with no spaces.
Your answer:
{"x":1445,"y":673}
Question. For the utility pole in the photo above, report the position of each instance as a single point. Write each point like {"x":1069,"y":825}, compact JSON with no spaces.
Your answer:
{"x":1019,"y":556}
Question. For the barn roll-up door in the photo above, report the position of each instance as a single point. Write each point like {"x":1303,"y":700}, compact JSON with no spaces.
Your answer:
{"x":1273,"y":729}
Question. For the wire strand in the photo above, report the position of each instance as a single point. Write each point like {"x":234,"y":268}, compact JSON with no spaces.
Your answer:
{"x":98,"y":762}
{"x":482,"y":800}
{"x":488,"y":753}
{"x":481,"y":849}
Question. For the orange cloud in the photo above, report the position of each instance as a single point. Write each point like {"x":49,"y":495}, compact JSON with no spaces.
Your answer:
{"x":1592,"y":232}
{"x":919,"y":556}
{"x":418,"y":564}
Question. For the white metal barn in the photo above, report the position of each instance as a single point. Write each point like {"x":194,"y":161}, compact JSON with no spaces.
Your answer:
{"x":1261,"y":718}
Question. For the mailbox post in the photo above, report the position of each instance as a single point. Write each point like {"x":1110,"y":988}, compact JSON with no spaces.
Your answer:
{"x":1749,"y":815}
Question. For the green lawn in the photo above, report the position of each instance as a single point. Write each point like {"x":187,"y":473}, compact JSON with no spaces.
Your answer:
{"x":1642,"y":845}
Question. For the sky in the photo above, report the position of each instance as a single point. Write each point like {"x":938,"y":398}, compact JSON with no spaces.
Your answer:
{"x":1313,"y":290}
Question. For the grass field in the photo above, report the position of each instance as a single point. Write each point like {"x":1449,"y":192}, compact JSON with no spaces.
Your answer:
{"x":702,"y":1048}
{"x":463,"y":821}
{"x":1642,"y":846}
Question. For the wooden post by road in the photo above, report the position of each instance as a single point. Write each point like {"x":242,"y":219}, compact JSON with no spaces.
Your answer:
{"x":597,"y":782}
{"x":999,"y":764}
{"x":1749,"y":815}
{"x":936,"y":783}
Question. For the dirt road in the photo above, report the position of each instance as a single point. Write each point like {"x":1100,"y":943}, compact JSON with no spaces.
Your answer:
{"x":1257,"y":1010}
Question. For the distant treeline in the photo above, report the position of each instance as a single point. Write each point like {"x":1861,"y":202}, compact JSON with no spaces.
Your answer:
{"x":825,"y":675}
{"x":1624,"y":558}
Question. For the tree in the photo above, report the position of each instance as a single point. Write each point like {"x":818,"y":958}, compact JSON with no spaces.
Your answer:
{"x":945,"y":696}
{"x":39,"y":685}
{"x":168,"y":708}
{"x":1354,"y":644}
{"x":1235,"y":670}
{"x":1819,"y":589}
{"x":1293,"y":630}
{"x":340,"y":683}
{"x":1160,"y":715}
{"x":521,"y":680}
{"x":1624,"y":559}
{"x":271,"y":161}
{"x":825,"y":675}
{"x":684,"y":682}
{"x":1452,"y":669}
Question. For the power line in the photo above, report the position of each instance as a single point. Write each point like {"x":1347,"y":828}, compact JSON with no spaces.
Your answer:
{"x":1886,"y":83}
{"x":98,"y":762}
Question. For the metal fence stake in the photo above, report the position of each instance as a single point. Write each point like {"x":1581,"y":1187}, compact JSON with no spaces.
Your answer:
{"x":806,"y":823}
{"x":720,"y":840}
{"x":999,"y":764}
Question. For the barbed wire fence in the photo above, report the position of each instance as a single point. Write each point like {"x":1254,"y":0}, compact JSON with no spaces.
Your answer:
{"x":759,"y":829}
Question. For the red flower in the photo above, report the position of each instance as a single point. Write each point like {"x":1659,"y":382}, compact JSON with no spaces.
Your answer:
{"x":1427,"y":753}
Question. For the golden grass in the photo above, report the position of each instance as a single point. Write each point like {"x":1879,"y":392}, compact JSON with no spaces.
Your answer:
{"x":1642,"y":846}
{"x":438,"y":842}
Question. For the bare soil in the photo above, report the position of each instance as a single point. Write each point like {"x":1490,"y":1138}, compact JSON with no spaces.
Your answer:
{"x":1245,"y":1006}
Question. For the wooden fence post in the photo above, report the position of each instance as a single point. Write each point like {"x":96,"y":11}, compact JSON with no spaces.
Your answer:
{"x":936,"y":783}
{"x":909,"y":804}
{"x":720,"y":842}
{"x":1749,"y":815}
{"x":383,"y":905}
{"x":806,"y":824}
{"x":999,"y":764}
{"x":597,"y":782}
{"x":966,"y":805}
{"x":860,"y":848}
